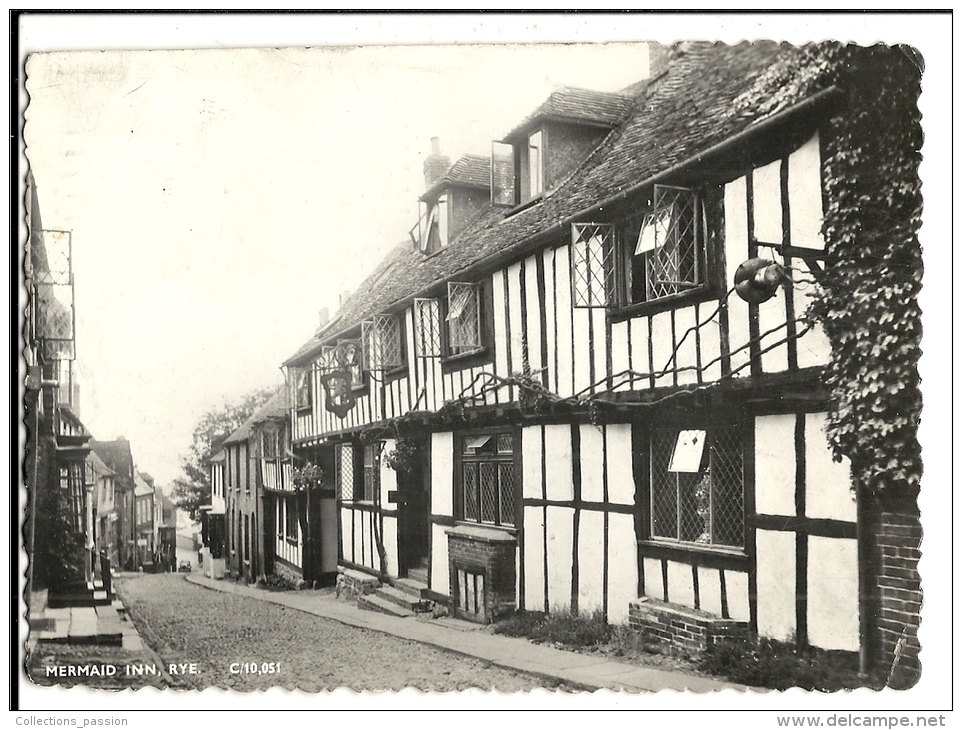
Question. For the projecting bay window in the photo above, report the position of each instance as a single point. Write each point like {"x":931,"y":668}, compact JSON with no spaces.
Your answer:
{"x":383,"y":343}
{"x":464,"y":318}
{"x":487,"y":489}
{"x":697,"y":487}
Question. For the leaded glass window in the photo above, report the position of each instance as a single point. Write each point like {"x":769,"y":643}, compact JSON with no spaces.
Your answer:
{"x":488,"y":486}
{"x":698,"y":485}
{"x":464,"y":317}
{"x":383,"y":348}
{"x":427,"y":328}
{"x":592,"y":264}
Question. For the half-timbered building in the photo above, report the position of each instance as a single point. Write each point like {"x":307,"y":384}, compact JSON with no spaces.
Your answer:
{"x":600,"y":390}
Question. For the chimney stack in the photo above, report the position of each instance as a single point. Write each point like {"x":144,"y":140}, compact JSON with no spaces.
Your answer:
{"x":659,"y":56}
{"x":435,"y":164}
{"x":323,"y":316}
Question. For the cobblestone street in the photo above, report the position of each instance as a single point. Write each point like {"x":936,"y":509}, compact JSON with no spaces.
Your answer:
{"x":186,"y":624}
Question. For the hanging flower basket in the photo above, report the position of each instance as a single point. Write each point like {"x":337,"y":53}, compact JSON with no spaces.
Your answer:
{"x":310,"y":476}
{"x":404,"y":457}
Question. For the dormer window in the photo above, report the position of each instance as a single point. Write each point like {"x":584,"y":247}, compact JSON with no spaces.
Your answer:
{"x":433,"y":226}
{"x":540,"y":153}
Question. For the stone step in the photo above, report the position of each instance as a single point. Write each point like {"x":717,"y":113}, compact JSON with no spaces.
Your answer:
{"x":373,"y":602}
{"x":418,"y":574}
{"x":403,"y":599}
{"x":411,"y":587}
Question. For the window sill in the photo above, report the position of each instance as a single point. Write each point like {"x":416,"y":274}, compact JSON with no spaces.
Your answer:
{"x":479,"y":356}
{"x":696,"y":554}
{"x":655,"y":306}
{"x":483,"y":531}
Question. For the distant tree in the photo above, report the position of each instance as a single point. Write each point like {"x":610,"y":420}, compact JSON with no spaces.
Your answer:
{"x":192,"y":489}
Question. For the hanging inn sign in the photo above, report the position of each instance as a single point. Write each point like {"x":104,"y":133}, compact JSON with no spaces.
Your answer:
{"x":342,"y":366}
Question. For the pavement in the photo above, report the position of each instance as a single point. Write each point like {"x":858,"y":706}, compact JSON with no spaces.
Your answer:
{"x":581,"y":670}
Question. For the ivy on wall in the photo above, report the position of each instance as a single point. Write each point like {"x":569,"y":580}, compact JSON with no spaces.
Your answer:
{"x":868,"y":302}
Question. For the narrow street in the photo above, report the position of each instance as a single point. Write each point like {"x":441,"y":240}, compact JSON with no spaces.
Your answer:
{"x":228,"y":641}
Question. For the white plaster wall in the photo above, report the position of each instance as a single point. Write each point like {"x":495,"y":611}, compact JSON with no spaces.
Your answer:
{"x":736,"y":251}
{"x":828,"y":483}
{"x":390,"y":545}
{"x":562,"y":313}
{"x":776,"y":584}
{"x":592,"y":463}
{"x":514,"y":312}
{"x":775,"y":464}
{"x":709,"y":591}
{"x":531,"y":462}
{"x":621,"y":483}
{"x":681,"y":587}
{"x":440,"y":579}
{"x":550,"y":308}
{"x":736,"y":587}
{"x":500,"y":327}
{"x":559,"y":529}
{"x":582,"y":354}
{"x":710,"y":343}
{"x":534,"y":558}
{"x":442,"y":465}
{"x":639,"y":350}
{"x":600,"y":350}
{"x":619,"y":353}
{"x":772,"y":314}
{"x":805,"y":195}
{"x":654,"y":585}
{"x":591,"y":561}
{"x":533,"y":313}
{"x":661,"y":347}
{"x":622,"y":566}
{"x":833,"y":593}
{"x":767,"y":199}
{"x":687,"y":355}
{"x":558,"y":462}
{"x":346,"y":533}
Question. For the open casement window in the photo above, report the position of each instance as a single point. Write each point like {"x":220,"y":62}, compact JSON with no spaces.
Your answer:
{"x":534,"y":181}
{"x":503,"y":192}
{"x":464,"y":317}
{"x":488,"y":490}
{"x":592,"y":264}
{"x":382,"y":341}
{"x":666,"y":246}
{"x":347,"y":356}
{"x":427,"y":328}
{"x":433,"y":226}
{"x":698,"y":486}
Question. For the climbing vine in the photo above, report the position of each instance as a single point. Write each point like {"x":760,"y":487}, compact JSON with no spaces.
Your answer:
{"x":868,"y":301}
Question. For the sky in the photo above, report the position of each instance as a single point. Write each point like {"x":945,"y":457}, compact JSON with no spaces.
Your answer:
{"x":218,"y":200}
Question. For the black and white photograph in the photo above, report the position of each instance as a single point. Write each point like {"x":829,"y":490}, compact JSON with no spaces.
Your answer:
{"x":522,"y":361}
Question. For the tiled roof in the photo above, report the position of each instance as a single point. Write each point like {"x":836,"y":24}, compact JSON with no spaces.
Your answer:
{"x":568,"y":103}
{"x":275,"y":407}
{"x":470,"y":170}
{"x":98,"y":465}
{"x":116,"y":454}
{"x":680,"y":116}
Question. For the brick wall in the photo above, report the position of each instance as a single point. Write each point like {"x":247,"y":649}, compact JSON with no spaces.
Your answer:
{"x":687,"y":629}
{"x":491,"y":555}
{"x":896,"y":535}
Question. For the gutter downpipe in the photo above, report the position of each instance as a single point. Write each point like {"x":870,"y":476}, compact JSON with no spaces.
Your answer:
{"x":533,"y":241}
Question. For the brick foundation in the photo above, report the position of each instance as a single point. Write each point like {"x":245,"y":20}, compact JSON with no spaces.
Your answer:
{"x":482,"y":568}
{"x":679,"y":627}
{"x":894,"y":551}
